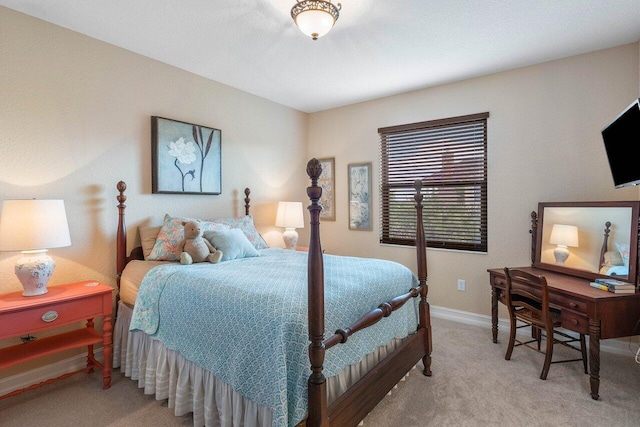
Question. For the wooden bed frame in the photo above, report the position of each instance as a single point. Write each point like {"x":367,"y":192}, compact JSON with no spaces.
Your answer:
{"x":353,"y":405}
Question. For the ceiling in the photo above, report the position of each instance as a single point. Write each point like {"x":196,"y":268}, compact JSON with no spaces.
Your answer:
{"x":377,"y":48}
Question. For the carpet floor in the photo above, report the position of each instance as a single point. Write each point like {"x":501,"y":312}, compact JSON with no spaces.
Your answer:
{"x":472,"y":385}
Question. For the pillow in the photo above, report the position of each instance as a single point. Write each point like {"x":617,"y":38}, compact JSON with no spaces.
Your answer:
{"x":171,"y":233}
{"x":624,"y":253}
{"x":612,"y":258}
{"x":247,"y":226}
{"x":148,"y":237}
{"x":233,"y":243}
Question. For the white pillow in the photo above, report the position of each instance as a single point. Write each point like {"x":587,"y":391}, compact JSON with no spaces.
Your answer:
{"x":232,"y":242}
{"x":624,"y":253}
{"x":148,"y":236}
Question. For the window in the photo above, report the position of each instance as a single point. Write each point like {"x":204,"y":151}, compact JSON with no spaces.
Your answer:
{"x":450,"y":157}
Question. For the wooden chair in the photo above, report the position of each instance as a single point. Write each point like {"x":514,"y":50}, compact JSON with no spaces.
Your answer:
{"x":533,"y":310}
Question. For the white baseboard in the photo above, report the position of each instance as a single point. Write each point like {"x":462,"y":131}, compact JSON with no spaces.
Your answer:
{"x":615,"y":346}
{"x":38,"y":375}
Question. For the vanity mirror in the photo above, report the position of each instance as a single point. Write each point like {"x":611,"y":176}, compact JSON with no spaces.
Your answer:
{"x":587,"y":239}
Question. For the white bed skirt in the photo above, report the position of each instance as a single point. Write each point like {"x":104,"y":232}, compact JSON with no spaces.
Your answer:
{"x":190,"y":388}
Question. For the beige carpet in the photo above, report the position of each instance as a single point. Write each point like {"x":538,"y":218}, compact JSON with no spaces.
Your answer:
{"x":472,"y":385}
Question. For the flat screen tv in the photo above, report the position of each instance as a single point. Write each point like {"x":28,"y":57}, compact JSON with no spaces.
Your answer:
{"x":621,"y":138}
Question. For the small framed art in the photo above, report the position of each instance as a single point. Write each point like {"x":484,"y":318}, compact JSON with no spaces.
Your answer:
{"x":359,"y":196}
{"x":327,"y":182}
{"x":185,"y":157}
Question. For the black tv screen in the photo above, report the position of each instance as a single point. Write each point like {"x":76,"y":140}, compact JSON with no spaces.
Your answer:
{"x":621,"y":140}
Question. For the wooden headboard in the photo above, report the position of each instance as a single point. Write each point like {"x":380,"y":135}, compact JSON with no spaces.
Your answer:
{"x":122,"y":258}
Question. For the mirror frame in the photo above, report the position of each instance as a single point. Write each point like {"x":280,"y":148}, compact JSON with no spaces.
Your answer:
{"x":537,"y":221}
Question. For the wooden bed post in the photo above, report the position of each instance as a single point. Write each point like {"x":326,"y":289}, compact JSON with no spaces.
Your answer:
{"x":421,"y":249}
{"x":247,"y":200}
{"x":317,"y":384}
{"x":121,"y":237}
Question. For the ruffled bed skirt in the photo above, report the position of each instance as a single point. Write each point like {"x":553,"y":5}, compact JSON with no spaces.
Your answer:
{"x":190,"y":388}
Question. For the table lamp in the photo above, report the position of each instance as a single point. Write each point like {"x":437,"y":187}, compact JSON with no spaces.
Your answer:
{"x":33,"y":226}
{"x":289,"y":216}
{"x":563,"y":236}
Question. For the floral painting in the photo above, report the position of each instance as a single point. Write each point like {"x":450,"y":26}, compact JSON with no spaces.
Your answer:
{"x":326,"y":181}
{"x":360,"y":196}
{"x":186,"y":158}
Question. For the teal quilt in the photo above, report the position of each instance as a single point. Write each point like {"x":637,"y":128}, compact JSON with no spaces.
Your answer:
{"x":245,"y":320}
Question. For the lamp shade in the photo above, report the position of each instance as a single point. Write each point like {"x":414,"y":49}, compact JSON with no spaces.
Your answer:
{"x":289,"y":215}
{"x":565,"y":235}
{"x":315,"y":18}
{"x":33,"y":224}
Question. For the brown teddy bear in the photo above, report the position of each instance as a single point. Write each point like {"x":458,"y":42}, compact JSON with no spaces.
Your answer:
{"x":194,"y":247}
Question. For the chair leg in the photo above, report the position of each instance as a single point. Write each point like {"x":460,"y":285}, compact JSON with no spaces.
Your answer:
{"x":583,"y":350}
{"x":512,"y":338}
{"x":548,"y":355}
{"x":537,"y":334}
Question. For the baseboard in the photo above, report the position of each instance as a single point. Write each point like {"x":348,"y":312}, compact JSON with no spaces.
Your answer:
{"x":623,"y":347}
{"x":38,"y":375}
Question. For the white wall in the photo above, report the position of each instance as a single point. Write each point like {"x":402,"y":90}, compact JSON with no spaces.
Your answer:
{"x":75,"y":119}
{"x":544,"y":144}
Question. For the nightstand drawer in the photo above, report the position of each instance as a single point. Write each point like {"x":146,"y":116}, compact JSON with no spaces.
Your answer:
{"x":50,"y":316}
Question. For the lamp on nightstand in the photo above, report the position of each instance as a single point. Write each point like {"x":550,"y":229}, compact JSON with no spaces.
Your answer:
{"x":563,"y":236}
{"x":289,"y":216}
{"x":33,"y":226}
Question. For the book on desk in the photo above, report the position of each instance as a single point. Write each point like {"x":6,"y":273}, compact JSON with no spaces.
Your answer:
{"x":613,"y":285}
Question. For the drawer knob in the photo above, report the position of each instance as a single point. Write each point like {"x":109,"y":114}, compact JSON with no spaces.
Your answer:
{"x":50,"y":316}
{"x":573,"y":305}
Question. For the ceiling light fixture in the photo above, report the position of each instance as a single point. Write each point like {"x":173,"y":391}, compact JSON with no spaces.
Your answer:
{"x":315,"y":18}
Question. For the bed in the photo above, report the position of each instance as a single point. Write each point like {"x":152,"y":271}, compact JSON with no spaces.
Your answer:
{"x":254,"y":369}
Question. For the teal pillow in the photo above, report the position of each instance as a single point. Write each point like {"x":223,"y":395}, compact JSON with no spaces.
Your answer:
{"x":232,"y":242}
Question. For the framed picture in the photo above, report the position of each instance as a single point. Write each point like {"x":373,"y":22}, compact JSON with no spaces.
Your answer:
{"x":185,"y":157}
{"x":359,"y":196}
{"x":326,"y":181}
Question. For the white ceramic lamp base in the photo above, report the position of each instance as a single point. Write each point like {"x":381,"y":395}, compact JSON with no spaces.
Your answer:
{"x":290,"y":237}
{"x":561,"y":253}
{"x":34,"y":268}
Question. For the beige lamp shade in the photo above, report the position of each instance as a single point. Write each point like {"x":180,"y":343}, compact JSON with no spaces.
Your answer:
{"x":289,"y":215}
{"x":565,"y":235}
{"x":33,"y":226}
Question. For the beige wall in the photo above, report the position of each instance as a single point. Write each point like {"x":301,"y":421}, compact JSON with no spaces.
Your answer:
{"x":75,"y":119}
{"x":544,"y":144}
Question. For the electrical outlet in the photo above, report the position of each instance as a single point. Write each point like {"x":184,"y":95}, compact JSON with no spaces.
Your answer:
{"x":462,"y":285}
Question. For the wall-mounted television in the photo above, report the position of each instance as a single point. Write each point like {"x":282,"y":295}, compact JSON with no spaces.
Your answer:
{"x":621,"y":138}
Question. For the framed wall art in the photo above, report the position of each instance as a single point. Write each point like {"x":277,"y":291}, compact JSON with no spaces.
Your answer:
{"x":327,"y":182}
{"x":185,"y":157}
{"x":359,"y":196}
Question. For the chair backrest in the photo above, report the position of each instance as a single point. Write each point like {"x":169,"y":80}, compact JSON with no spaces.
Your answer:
{"x":536,"y":301}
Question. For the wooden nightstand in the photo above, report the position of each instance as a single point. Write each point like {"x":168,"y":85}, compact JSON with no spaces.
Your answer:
{"x":62,"y":305}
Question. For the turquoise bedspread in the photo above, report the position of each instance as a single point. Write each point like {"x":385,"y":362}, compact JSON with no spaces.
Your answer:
{"x":245,"y":320}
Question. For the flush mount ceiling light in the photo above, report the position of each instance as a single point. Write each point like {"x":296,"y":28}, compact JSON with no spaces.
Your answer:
{"x":315,"y":18}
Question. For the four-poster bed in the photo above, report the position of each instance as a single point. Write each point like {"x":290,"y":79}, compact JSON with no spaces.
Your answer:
{"x":348,"y":393}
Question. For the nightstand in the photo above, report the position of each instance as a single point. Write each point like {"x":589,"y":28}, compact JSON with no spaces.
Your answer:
{"x":61,"y":305}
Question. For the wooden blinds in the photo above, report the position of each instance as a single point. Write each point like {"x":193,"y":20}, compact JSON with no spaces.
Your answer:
{"x":450,"y":157}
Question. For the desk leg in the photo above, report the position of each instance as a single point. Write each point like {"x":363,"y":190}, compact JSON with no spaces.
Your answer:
{"x":594,"y":357}
{"x":494,"y":313}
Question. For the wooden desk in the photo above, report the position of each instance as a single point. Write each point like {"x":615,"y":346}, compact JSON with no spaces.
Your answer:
{"x":585,"y":310}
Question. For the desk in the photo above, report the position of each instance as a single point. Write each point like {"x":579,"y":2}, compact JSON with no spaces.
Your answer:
{"x":584,"y":309}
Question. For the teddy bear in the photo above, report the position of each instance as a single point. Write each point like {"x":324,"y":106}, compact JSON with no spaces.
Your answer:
{"x":194,"y":247}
